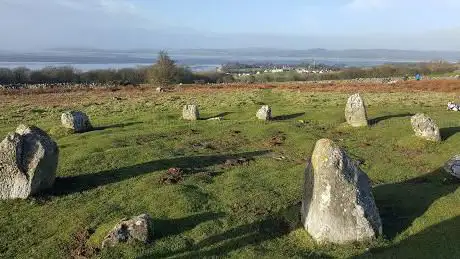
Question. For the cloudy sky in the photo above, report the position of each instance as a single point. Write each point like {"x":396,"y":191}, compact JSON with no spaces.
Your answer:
{"x":171,"y":24}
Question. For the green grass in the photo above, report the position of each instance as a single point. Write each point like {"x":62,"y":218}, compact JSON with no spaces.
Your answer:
{"x":246,"y":211}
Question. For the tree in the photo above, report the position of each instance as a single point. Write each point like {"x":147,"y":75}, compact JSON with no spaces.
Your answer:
{"x":165,"y":70}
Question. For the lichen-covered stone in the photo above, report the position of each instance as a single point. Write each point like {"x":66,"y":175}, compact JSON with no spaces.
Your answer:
{"x":139,"y":228}
{"x":425,"y":127}
{"x":190,"y":112}
{"x":264,"y":113}
{"x":338,"y":205}
{"x":355,"y":111}
{"x":28,"y":162}
{"x":453,"y":166}
{"x":76,"y":120}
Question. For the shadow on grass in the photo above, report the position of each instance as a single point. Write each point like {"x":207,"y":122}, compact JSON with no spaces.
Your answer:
{"x":84,"y":182}
{"x":387,"y":117}
{"x":446,"y":133}
{"x":401,"y":203}
{"x":171,"y":227}
{"x":114,"y":126}
{"x":437,"y":241}
{"x":288,"y":117}
{"x":270,"y":227}
{"x":217,"y":116}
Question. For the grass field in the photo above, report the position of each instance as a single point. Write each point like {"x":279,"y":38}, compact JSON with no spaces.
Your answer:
{"x":242,"y":211}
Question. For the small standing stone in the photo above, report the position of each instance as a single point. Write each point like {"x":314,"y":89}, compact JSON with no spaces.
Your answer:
{"x":76,"y":120}
{"x":190,"y":112}
{"x":355,"y":111}
{"x":338,"y":205}
{"x":453,"y":166}
{"x":425,"y":127}
{"x":264,"y":113}
{"x":28,"y":162}
{"x":138,"y":228}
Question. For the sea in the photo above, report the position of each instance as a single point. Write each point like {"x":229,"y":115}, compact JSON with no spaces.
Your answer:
{"x":194,"y":62}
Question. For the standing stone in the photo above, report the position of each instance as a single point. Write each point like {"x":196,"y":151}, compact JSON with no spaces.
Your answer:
{"x":264,"y":113}
{"x":425,"y":127}
{"x":337,"y":204}
{"x":453,"y":166}
{"x":28,"y":162}
{"x":355,"y":111}
{"x":190,"y":112}
{"x":139,"y":228}
{"x":76,"y":120}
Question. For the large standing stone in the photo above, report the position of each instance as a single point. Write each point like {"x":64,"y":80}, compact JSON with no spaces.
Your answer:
{"x":453,"y":166}
{"x":190,"y":112}
{"x":425,"y":127}
{"x":264,"y":113}
{"x":28,"y":162}
{"x":138,"y":228}
{"x":76,"y":120}
{"x":355,"y":111}
{"x":337,"y":204}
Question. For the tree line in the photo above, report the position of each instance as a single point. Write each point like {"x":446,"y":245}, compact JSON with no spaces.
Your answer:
{"x":165,"y":72}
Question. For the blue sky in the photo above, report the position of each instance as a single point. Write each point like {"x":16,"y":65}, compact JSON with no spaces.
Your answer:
{"x":336,"y":24}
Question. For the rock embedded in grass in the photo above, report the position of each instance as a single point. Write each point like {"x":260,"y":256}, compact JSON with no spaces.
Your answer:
{"x":139,"y":228}
{"x":76,"y":120}
{"x":28,"y":162}
{"x":425,"y":127}
{"x":264,"y":113}
{"x":190,"y":112}
{"x":453,"y":166}
{"x":355,"y":111}
{"x":338,"y":205}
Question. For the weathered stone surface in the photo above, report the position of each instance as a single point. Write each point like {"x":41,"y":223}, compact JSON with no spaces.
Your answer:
{"x":190,"y":112}
{"x":264,"y":113}
{"x":338,"y":205}
{"x":76,"y":120}
{"x":28,"y":162}
{"x":355,"y":111}
{"x":139,"y":228}
{"x":453,"y":166}
{"x":425,"y":127}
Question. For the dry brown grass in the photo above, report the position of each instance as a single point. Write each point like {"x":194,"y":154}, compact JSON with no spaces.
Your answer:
{"x":56,"y":97}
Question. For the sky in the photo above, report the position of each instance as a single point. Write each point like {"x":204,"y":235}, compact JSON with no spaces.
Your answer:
{"x":183,"y":24}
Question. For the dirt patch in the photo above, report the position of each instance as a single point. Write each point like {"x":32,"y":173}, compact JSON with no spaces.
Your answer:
{"x":79,"y":249}
{"x":172,"y":176}
{"x":277,"y":140}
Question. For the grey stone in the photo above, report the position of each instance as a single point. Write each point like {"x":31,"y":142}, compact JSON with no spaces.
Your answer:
{"x":139,"y":228}
{"x":190,"y":112}
{"x":76,"y":120}
{"x":425,"y":127}
{"x":355,"y":111}
{"x":264,"y":113}
{"x":453,"y":166}
{"x":28,"y":162}
{"x":216,"y":119}
{"x":338,"y":205}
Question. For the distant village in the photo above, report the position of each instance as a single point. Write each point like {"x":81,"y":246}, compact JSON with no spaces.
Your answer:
{"x":238,"y":69}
